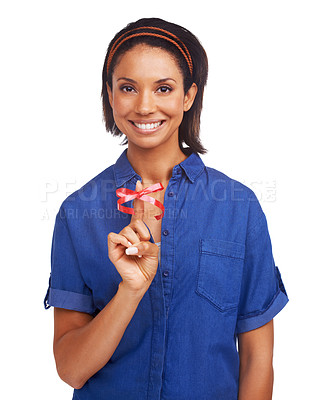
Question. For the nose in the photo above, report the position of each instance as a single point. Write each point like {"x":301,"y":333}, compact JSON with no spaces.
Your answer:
{"x":145,"y":103}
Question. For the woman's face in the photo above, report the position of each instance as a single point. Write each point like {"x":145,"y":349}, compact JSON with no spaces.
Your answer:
{"x":147,"y":96}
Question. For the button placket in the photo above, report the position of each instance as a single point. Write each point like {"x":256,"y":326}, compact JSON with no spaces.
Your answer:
{"x":167,"y":237}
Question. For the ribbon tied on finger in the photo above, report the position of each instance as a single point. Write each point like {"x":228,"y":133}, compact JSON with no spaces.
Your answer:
{"x":128,"y":194}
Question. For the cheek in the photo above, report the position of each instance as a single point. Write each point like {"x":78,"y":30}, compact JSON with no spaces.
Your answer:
{"x":173,"y":106}
{"x":120,"y":106}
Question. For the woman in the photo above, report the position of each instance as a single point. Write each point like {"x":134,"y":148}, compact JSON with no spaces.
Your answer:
{"x":129,"y":325}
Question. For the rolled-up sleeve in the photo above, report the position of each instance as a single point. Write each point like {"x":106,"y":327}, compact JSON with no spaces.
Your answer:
{"x":67,"y":288}
{"x":263,"y":294}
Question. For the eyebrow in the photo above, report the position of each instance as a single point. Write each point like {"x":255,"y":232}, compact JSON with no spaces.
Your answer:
{"x":159,"y":81}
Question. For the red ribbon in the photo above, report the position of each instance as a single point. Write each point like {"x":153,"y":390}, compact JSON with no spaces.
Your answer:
{"x":127,"y":194}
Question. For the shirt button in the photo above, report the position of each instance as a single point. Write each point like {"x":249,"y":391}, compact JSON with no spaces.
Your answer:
{"x":165,"y":232}
{"x":171,"y":194}
{"x":165,"y":273}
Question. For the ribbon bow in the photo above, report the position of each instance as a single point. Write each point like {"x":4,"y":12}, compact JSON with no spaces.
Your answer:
{"x":127,"y":194}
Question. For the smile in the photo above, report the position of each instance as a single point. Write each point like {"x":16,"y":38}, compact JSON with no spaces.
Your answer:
{"x":147,"y":126}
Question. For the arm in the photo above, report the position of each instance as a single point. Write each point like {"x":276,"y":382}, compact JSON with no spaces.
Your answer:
{"x":83,"y":344}
{"x":256,"y":363}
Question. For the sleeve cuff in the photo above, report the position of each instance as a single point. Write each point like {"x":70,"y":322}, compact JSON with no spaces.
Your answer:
{"x":70,"y":301}
{"x":246,"y":323}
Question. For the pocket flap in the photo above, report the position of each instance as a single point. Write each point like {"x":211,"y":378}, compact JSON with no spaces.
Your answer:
{"x":222,"y":248}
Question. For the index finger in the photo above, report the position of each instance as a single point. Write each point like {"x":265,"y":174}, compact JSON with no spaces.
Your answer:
{"x":138,"y":205}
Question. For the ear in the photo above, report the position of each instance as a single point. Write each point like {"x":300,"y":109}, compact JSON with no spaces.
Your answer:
{"x":109,"y":94}
{"x":190,"y":97}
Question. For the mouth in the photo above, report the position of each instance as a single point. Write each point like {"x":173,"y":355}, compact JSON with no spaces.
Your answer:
{"x":147,"y":126}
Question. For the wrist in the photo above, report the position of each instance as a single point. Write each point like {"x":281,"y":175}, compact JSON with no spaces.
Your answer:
{"x":134,"y":294}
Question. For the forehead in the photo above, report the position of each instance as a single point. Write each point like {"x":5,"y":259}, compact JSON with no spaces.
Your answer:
{"x":145,"y":60}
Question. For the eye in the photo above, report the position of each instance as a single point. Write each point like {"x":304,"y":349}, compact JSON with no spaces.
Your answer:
{"x":127,"y":89}
{"x":164,"y":89}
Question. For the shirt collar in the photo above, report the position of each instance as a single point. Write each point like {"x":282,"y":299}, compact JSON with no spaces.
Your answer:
{"x":123,"y":170}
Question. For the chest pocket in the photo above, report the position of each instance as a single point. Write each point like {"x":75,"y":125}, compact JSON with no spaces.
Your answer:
{"x":220,"y":272}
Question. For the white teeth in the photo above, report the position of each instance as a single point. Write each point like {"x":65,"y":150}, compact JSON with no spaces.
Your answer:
{"x":148,"y":126}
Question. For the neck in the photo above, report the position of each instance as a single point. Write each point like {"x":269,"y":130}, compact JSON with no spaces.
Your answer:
{"x":154,"y":165}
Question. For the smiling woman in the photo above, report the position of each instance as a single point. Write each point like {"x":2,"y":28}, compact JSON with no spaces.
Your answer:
{"x":148,"y":306}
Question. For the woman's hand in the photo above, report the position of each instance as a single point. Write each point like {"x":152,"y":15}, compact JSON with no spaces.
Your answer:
{"x":137,"y":272}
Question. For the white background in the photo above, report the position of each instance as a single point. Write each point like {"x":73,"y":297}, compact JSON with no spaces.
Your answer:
{"x":258,"y":123}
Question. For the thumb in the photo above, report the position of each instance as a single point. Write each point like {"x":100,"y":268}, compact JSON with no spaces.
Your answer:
{"x":138,"y":205}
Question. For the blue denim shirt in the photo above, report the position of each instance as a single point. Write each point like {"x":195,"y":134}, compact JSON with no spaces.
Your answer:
{"x":216,"y":278}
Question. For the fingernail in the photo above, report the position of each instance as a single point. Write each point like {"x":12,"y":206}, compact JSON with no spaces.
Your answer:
{"x":130,"y":244}
{"x":131,"y":250}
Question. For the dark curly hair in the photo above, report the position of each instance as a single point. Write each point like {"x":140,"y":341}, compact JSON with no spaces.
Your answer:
{"x":189,"y":128}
